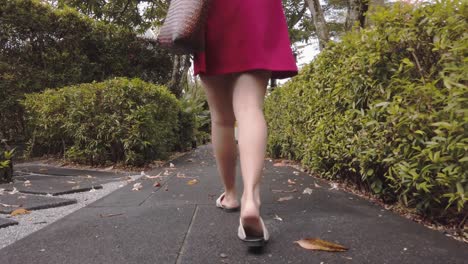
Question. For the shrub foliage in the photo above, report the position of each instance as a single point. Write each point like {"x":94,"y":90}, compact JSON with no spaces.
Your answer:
{"x":42,"y":47}
{"x":386,"y":108}
{"x":118,"y":120}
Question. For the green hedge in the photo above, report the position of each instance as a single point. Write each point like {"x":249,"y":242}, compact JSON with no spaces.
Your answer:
{"x":44,"y":47}
{"x":385,"y":108}
{"x":118,"y":120}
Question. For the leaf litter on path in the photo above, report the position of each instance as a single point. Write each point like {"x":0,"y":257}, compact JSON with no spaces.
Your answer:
{"x":286,"y":198}
{"x":19,"y":211}
{"x":307,"y":191}
{"x":192,"y":182}
{"x":319,"y":244}
{"x":285,"y":191}
{"x":137,"y":186}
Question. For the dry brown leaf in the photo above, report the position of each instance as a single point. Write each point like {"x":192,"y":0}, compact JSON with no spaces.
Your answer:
{"x":19,"y":211}
{"x":280,"y":164}
{"x":285,"y":191}
{"x":285,"y":198}
{"x":319,"y":244}
{"x":192,"y":182}
{"x":291,"y":182}
{"x":110,"y":215}
{"x":157,"y":184}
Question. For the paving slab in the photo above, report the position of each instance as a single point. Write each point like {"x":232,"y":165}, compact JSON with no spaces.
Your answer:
{"x":387,"y":239}
{"x":106,"y":235}
{"x":53,"y":186}
{"x":88,"y":179}
{"x":126,"y":196}
{"x":10,"y":202}
{"x":7,"y":222}
{"x":60,"y":171}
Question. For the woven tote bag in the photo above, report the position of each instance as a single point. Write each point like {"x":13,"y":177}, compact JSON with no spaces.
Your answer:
{"x":183,"y":29}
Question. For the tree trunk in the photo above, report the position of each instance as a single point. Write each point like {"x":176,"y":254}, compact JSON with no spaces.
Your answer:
{"x":357,"y":10}
{"x":320,"y":24}
{"x":180,"y":68}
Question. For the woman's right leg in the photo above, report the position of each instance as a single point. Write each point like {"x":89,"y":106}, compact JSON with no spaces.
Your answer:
{"x":218,"y":91}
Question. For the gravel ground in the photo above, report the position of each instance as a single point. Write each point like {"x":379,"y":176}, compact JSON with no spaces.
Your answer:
{"x":38,"y":219}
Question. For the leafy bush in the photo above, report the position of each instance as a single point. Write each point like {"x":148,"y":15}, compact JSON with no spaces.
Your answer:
{"x":116,"y":120}
{"x":194,"y":104}
{"x":386,"y":108}
{"x":42,"y":47}
{"x":6,"y":165}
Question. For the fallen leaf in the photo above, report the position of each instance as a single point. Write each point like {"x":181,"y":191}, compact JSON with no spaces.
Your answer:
{"x":278,"y":218}
{"x":316,"y":185}
{"x":279,"y":164}
{"x":192,"y":182}
{"x":14,"y":191}
{"x":27,"y":183}
{"x":334,"y":186}
{"x":9,"y":205}
{"x":171,"y":165}
{"x":19,"y":211}
{"x":109,"y":215}
{"x":319,"y":244}
{"x":154,"y":177}
{"x":157,"y":184}
{"x":307,"y":191}
{"x":291,"y":181}
{"x":42,"y":169}
{"x":109,"y":168}
{"x":137,"y":186}
{"x":285,"y":198}
{"x":285,"y":191}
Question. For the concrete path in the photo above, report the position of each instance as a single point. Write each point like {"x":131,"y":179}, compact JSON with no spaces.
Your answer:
{"x":172,"y":219}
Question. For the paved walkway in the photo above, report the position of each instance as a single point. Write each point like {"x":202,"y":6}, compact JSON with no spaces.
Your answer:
{"x":176,"y":221}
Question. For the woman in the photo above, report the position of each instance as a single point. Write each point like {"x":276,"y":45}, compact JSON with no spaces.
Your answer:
{"x":247,"y":43}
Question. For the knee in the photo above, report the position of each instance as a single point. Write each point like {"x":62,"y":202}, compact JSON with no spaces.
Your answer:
{"x":223,"y":121}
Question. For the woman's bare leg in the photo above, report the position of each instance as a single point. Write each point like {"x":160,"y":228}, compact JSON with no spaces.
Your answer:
{"x":218,"y":90}
{"x":248,"y":97}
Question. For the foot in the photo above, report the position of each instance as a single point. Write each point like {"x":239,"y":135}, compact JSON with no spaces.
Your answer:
{"x":229,"y":200}
{"x":250,"y":217}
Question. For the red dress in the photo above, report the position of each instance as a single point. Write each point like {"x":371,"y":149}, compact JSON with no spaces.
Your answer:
{"x":243,"y":35}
